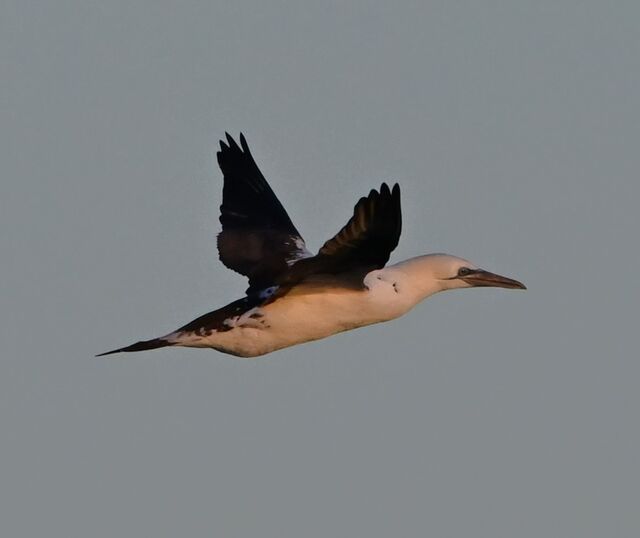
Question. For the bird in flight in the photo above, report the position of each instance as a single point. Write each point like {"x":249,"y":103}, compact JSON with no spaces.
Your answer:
{"x":295,"y":296}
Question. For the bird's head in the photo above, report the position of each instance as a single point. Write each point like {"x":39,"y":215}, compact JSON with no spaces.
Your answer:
{"x":439,"y":272}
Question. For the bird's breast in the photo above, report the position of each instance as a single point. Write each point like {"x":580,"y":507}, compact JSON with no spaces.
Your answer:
{"x":310,"y":312}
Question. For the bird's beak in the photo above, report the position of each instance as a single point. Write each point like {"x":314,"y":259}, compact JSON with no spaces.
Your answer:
{"x":481,"y":277}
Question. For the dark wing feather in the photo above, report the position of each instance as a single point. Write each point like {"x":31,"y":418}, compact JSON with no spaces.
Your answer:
{"x":373,"y":231}
{"x":258,"y":239}
{"x":247,"y":198}
{"x":364,"y":243}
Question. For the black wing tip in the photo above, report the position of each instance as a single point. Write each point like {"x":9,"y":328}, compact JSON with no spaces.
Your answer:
{"x":227,"y":145}
{"x":223,"y":150}
{"x":382,"y":195}
{"x":231,"y":148}
{"x":230,"y":142}
{"x":243,"y":143}
{"x":143,"y":345}
{"x":393,"y":191}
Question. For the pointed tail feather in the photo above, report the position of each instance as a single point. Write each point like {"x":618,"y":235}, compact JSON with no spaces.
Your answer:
{"x":140,"y":346}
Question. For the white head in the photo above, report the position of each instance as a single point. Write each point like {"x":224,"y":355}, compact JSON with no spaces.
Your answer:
{"x":438,"y":272}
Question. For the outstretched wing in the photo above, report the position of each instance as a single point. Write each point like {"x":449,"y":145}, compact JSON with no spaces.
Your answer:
{"x":372,"y":233}
{"x":364,"y":243}
{"x":258,"y":239}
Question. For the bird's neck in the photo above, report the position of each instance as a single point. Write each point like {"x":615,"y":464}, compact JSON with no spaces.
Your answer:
{"x":418,"y":277}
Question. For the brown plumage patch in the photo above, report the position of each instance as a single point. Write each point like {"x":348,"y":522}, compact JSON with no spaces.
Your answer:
{"x":217,"y":320}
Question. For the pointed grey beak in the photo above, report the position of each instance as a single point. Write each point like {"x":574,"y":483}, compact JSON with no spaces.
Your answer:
{"x":481,"y":277}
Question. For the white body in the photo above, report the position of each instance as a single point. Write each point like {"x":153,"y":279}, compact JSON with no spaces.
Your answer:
{"x":312,"y":312}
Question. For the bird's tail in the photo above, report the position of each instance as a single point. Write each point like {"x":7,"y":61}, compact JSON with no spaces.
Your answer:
{"x":141,"y":346}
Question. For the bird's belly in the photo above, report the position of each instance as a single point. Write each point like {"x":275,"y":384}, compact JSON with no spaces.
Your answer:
{"x":304,"y":317}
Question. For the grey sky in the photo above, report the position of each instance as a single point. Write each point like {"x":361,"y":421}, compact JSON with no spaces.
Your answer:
{"x":513,"y":130}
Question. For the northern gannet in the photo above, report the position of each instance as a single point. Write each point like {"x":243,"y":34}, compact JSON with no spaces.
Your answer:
{"x":295,"y":296}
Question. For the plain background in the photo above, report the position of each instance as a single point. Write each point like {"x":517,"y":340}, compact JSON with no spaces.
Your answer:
{"x":513,"y":128}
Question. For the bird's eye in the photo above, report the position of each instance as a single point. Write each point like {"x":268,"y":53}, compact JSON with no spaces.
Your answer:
{"x":464,"y":271}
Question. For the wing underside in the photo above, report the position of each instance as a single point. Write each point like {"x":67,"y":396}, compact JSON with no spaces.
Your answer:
{"x":258,"y":239}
